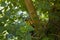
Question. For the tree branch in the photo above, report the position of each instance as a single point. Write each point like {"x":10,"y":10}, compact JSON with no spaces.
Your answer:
{"x":34,"y":17}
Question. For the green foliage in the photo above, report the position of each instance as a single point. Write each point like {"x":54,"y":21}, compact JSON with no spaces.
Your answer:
{"x":13,"y":14}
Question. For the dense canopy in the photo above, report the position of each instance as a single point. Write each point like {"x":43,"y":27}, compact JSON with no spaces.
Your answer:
{"x":29,"y":19}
